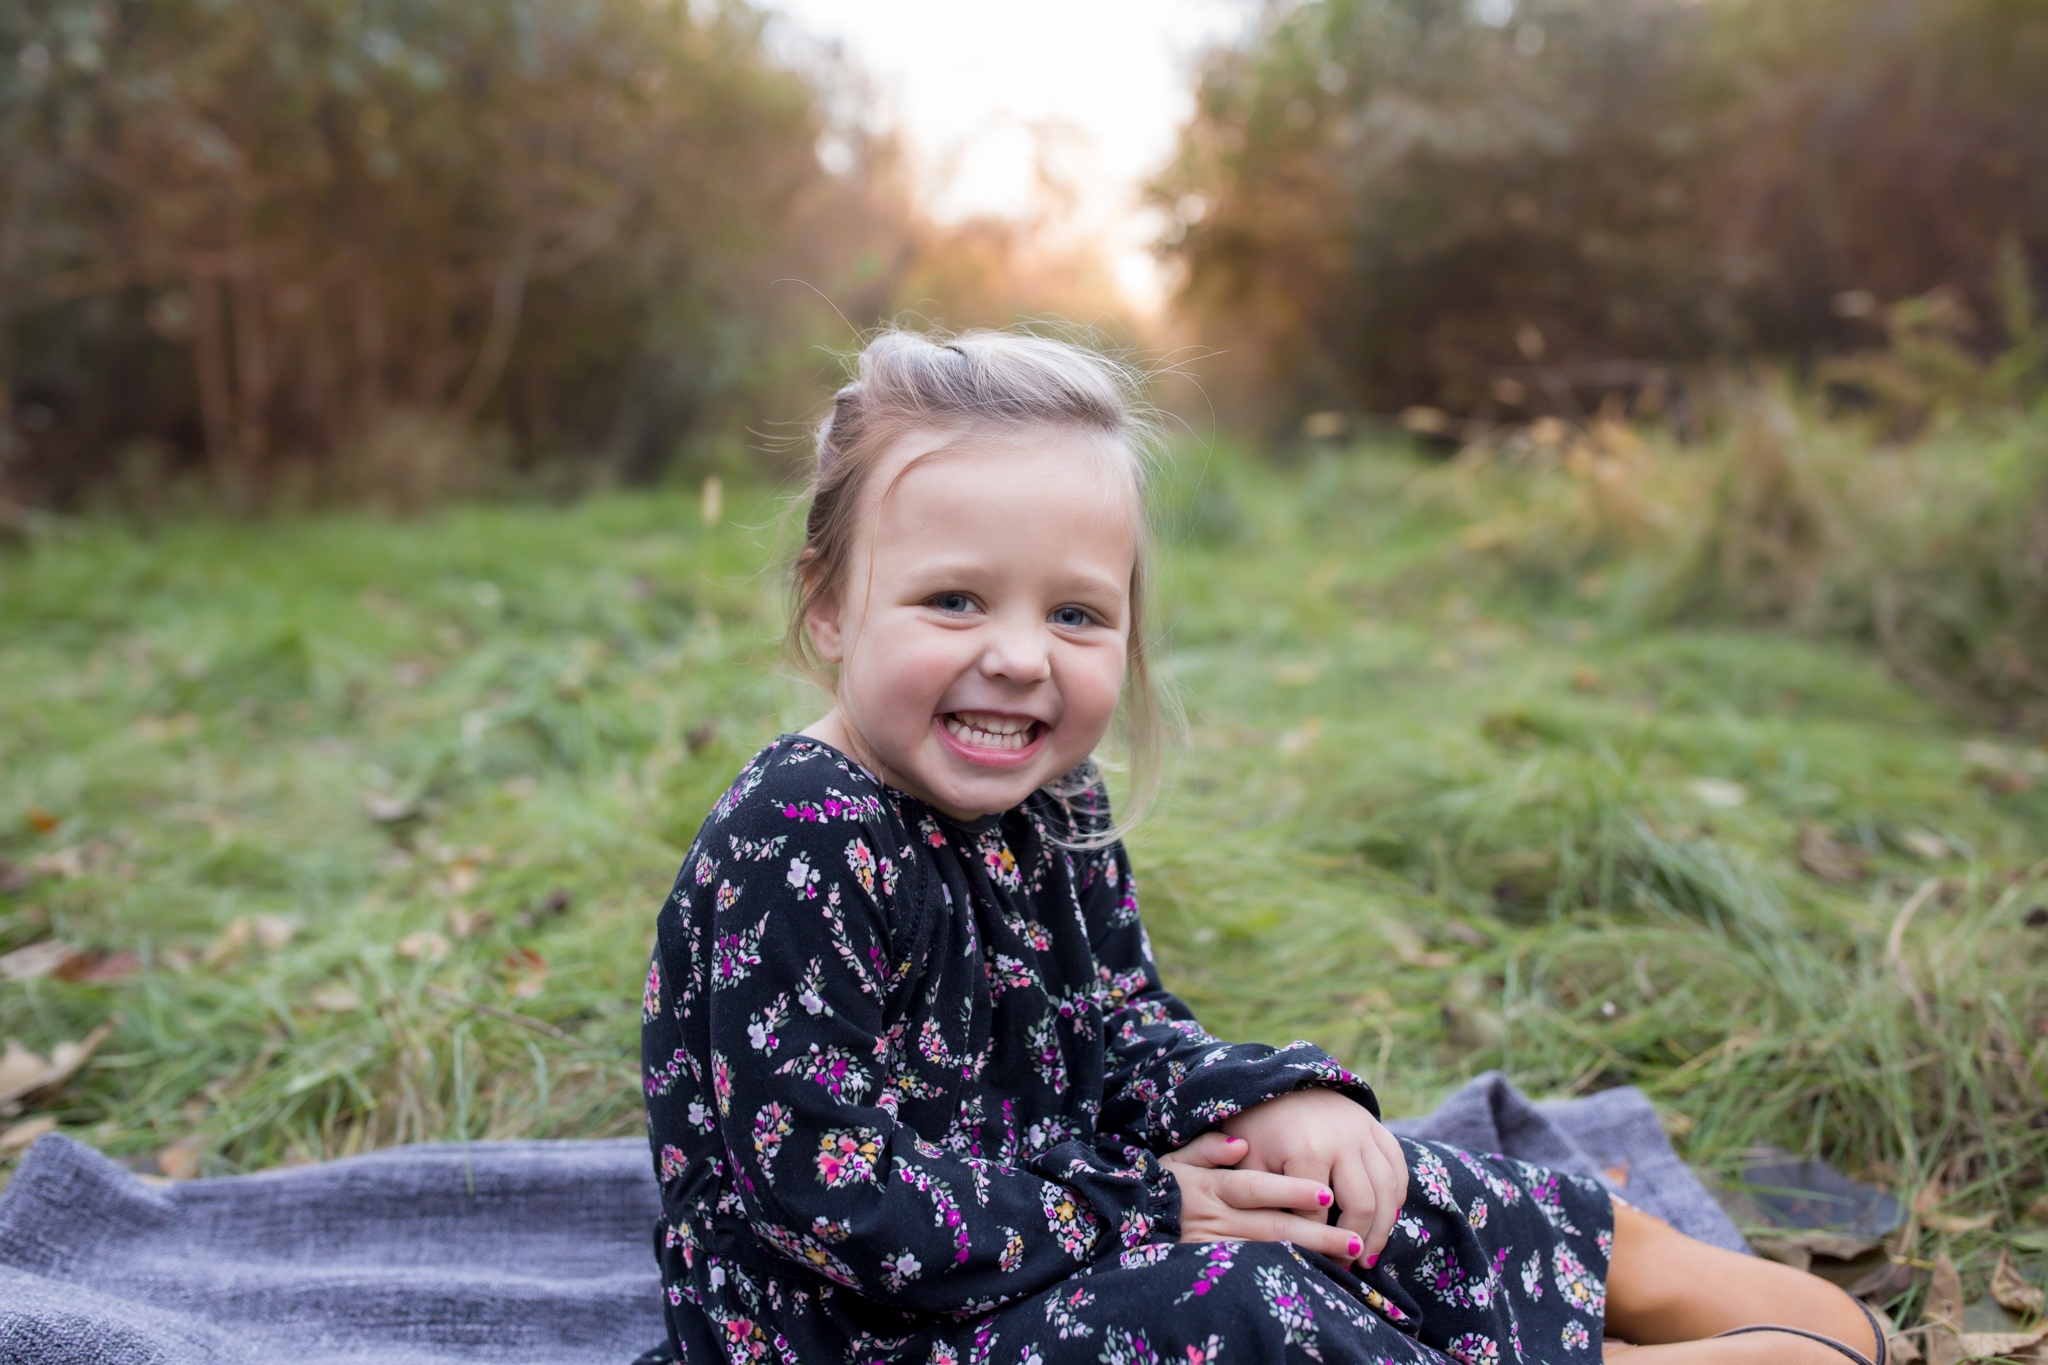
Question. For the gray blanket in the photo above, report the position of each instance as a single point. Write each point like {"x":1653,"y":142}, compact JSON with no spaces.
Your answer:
{"x":502,"y":1252}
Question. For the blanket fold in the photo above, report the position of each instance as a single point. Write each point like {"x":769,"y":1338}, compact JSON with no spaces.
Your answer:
{"x":506,"y":1252}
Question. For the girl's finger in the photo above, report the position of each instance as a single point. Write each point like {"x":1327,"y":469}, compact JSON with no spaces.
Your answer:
{"x":1389,"y":1189}
{"x":1271,"y":1225}
{"x":1211,"y":1149}
{"x":1396,"y":1158}
{"x":1259,"y":1190}
{"x":1358,"y":1198}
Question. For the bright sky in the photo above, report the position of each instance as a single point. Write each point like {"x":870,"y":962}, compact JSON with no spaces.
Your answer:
{"x":980,"y":90}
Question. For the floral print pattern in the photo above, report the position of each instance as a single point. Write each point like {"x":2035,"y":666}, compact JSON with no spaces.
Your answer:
{"x":907,"y":1082}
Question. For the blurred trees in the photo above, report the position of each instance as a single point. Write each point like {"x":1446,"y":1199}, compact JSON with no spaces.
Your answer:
{"x":1509,"y":207}
{"x":286,"y":236}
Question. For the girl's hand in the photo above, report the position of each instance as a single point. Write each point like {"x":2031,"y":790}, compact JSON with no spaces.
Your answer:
{"x":1217,"y":1203}
{"x":1320,"y":1135}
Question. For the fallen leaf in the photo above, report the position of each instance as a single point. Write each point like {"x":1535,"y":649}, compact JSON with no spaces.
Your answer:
{"x":40,"y":820}
{"x":274,"y":931}
{"x":2003,"y":1345}
{"x":228,"y":942}
{"x":388,"y":810}
{"x":462,"y":877}
{"x":1944,"y":1304}
{"x":466,"y":923}
{"x":334,"y":997}
{"x":423,"y":943}
{"x":18,"y":1136}
{"x":180,"y":1160}
{"x":23,"y":1073}
{"x":525,"y":973}
{"x":1828,"y":858}
{"x":2011,"y":1290}
{"x":1926,"y":844}
{"x":116,"y":966}
{"x":1955,"y":1224}
{"x":1719,"y":793}
{"x":38,"y":960}
{"x":68,"y":863}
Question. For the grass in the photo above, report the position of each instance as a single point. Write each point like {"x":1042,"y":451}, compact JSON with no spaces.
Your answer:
{"x":439,"y":772}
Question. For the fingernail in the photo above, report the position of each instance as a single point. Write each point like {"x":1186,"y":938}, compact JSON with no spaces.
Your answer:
{"x":1372,"y":1260}
{"x":1231,"y":1141}
{"x":1324,"y":1199}
{"x":1358,"y":1246}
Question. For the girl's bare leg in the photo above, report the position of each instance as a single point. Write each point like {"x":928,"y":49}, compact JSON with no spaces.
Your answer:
{"x":1667,"y":1293}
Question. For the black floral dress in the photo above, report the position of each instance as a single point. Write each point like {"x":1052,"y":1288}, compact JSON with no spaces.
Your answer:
{"x":908,"y":1080}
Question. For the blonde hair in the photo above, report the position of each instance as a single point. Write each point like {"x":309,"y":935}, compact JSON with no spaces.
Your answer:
{"x":986,"y":384}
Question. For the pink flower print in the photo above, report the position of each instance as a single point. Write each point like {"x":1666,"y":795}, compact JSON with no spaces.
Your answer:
{"x":847,"y":1158}
{"x":1546,"y":1197}
{"x":862,"y":862}
{"x":1013,"y":1250}
{"x":1604,"y":1239}
{"x":728,"y":895}
{"x":734,"y":955}
{"x":672,"y":1161}
{"x":721,"y":1082}
{"x":1121,"y":1347}
{"x":1435,"y":1178}
{"x":1061,"y":1309}
{"x":1072,"y":1222}
{"x":1477,"y":1217}
{"x":803,"y":879}
{"x":1208,"y":1353}
{"x":1577,"y":1288}
{"x":650,"y":994}
{"x":929,"y":828}
{"x":1411,"y":1226}
{"x":1291,"y":1308}
{"x":1575,"y":1336}
{"x":900,"y":1270}
{"x":1001,"y":864}
{"x":1532,"y":1276}
{"x":771,"y":1126}
{"x":706,"y":869}
{"x":1474,"y":1349}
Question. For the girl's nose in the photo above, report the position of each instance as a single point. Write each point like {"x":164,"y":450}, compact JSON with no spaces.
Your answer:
{"x":1017,"y":653}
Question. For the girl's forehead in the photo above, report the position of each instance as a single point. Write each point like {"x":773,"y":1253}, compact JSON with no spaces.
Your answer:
{"x":1079,"y":458}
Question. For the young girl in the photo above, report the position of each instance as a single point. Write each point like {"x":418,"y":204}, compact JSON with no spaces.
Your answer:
{"x":914,"y":1089}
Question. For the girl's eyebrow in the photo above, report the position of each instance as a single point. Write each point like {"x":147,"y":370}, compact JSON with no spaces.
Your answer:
{"x":1080,"y":582}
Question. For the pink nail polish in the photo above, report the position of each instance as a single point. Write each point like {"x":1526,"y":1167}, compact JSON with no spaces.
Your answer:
{"x":1372,"y":1260}
{"x":1324,"y":1199}
{"x":1358,"y":1246}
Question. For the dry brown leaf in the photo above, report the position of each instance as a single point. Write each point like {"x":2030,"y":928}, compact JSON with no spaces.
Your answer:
{"x":23,"y":1073}
{"x":1901,"y":1349}
{"x":37,"y":960}
{"x":275,"y":931}
{"x":230,"y":941}
{"x":466,"y":923}
{"x":462,"y":877}
{"x":180,"y":1160}
{"x":526,"y":972}
{"x":112,"y":967}
{"x":1945,"y":1293}
{"x":2011,"y":1289}
{"x":18,"y":1136}
{"x":1954,"y":1224}
{"x":1828,"y":858}
{"x":423,"y":943}
{"x":2003,"y":1345}
{"x":40,"y":820}
{"x":334,"y":997}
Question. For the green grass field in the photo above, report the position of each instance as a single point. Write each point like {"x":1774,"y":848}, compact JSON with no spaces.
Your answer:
{"x":358,"y":828}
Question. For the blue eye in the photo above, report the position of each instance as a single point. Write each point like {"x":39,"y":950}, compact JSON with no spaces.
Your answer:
{"x":952,"y":602}
{"x":1072,"y":617}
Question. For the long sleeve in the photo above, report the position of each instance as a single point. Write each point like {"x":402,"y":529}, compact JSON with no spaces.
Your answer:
{"x":1166,"y":1080}
{"x":797,"y":978}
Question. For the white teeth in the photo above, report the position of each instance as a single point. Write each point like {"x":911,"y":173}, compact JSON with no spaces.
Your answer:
{"x":981,"y":730}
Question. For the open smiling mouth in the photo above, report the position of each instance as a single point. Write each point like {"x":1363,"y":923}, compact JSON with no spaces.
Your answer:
{"x":992,"y":733}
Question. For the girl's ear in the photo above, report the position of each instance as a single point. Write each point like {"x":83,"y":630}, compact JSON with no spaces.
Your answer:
{"x":828,"y":635}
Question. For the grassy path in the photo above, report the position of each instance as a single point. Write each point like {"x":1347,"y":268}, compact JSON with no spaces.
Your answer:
{"x":358,"y":828}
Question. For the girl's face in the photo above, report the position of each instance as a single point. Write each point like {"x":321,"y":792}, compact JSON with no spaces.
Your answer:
{"x":981,"y":626}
